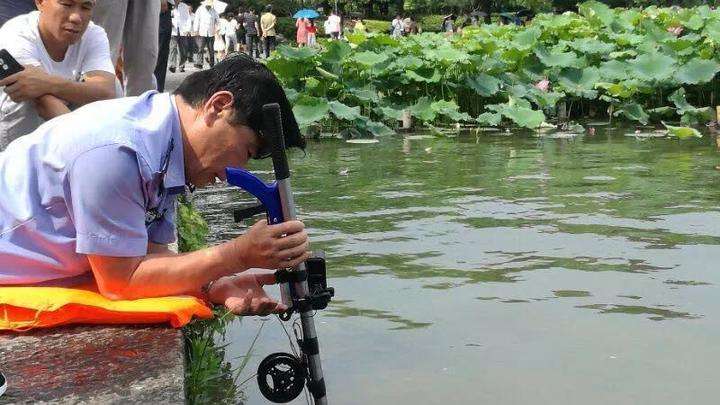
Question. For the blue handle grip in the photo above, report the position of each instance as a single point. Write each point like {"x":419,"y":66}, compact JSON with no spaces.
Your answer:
{"x":267,"y":193}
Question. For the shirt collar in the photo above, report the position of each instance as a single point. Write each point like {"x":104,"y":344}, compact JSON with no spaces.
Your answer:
{"x":175,"y":177}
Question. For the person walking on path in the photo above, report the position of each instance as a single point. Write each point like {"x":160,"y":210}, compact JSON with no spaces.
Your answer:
{"x":164,"y":35}
{"x":359,"y":27}
{"x":134,"y":24}
{"x":205,"y":25}
{"x":334,"y":25}
{"x":312,"y":33}
{"x":397,"y":26}
{"x":267,"y":25}
{"x":252,"y":43}
{"x":219,"y":44}
{"x":302,"y":31}
{"x":231,"y":38}
{"x":178,"y":40}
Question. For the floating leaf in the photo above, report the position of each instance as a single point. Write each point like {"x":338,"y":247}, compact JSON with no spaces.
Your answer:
{"x":682,"y":132}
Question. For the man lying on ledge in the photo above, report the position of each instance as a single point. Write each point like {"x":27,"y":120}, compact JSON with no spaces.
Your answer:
{"x":94,"y":191}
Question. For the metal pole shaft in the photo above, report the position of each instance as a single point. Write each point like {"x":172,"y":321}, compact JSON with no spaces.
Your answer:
{"x":301,"y":291}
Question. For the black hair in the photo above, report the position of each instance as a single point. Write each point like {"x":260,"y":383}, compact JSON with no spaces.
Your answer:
{"x":268,"y":8}
{"x":252,"y":85}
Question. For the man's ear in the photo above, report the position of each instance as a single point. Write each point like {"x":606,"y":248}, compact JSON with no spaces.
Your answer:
{"x":219,"y":106}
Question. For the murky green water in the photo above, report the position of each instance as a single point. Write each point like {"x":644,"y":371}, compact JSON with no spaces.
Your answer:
{"x":508,"y":270}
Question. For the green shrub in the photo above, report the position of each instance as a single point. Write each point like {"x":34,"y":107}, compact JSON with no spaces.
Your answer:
{"x":377,"y":26}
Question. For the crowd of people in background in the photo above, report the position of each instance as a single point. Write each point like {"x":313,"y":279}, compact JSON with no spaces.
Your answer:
{"x":127,"y":40}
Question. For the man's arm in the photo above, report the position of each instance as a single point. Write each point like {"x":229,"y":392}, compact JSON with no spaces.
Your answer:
{"x":34,"y":82}
{"x":98,"y":85}
{"x":164,"y":273}
{"x":49,"y":107}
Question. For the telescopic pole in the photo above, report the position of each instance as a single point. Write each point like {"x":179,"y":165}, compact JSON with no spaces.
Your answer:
{"x":300,"y":291}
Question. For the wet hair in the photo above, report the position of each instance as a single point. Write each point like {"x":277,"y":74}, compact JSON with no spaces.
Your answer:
{"x":252,"y":85}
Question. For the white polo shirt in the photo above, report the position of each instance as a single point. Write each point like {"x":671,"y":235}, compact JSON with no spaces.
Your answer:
{"x":21,"y":37}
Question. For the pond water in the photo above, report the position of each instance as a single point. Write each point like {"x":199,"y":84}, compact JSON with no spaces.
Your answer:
{"x":506,"y":269}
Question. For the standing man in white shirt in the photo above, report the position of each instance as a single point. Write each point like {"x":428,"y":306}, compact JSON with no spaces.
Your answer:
{"x":334,"y":25}
{"x":134,"y":24}
{"x":205,"y":25}
{"x":180,"y":33}
{"x":67,"y":64}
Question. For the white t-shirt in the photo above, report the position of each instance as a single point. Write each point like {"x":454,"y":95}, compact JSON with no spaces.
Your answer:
{"x":333,"y":23}
{"x":206,"y":21}
{"x":20,"y":36}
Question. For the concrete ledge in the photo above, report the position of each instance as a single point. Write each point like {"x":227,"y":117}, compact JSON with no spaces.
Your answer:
{"x":94,"y":364}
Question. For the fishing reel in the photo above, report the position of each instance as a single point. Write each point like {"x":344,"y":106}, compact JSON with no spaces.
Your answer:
{"x":282,"y":376}
{"x":316,"y":276}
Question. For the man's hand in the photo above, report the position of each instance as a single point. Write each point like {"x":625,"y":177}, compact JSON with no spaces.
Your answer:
{"x":29,"y":84}
{"x":243,"y":294}
{"x":273,"y":246}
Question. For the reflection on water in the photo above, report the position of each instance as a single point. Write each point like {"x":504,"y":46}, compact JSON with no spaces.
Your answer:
{"x":509,"y":270}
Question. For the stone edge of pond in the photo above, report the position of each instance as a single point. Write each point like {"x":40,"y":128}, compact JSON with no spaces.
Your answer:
{"x":94,"y":364}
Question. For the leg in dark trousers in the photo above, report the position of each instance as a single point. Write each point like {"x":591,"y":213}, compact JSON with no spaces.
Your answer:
{"x":210,"y":46}
{"x":174,"y":53}
{"x":269,"y":45}
{"x":184,"y":48}
{"x":199,"y":60}
{"x":162,"y":62}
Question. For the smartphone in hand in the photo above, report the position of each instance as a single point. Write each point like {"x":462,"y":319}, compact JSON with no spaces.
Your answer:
{"x":8,"y":65}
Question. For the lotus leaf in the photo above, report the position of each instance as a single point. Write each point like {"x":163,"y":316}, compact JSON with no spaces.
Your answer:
{"x":344,"y":112}
{"x":633,"y":111}
{"x":614,"y":70}
{"x":580,"y":82}
{"x":485,"y":85}
{"x":335,"y":52}
{"x":594,"y":10}
{"x":449,"y":109}
{"x":369,"y":58}
{"x":690,"y":113}
{"x":488,"y":118}
{"x":434,"y":76}
{"x":682,"y":132}
{"x":296,"y":54}
{"x":308,"y":110}
{"x":447,"y":54}
{"x":527,"y":39}
{"x":367,"y":93}
{"x":697,"y":71}
{"x":591,"y":46}
{"x":653,"y":66}
{"x":391,"y":113}
{"x":423,"y":109}
{"x":560,"y":59}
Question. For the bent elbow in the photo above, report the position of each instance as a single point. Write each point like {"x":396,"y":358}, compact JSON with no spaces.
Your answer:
{"x":114,"y":292}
